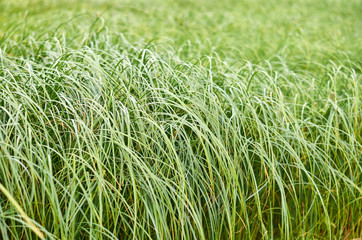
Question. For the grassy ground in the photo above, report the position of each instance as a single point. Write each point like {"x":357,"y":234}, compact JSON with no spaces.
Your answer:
{"x":180,"y":119}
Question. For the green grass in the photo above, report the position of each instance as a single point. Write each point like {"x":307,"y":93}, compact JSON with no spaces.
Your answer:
{"x":180,"y":119}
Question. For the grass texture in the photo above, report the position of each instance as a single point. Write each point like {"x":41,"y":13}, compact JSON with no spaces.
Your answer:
{"x":180,"y":119}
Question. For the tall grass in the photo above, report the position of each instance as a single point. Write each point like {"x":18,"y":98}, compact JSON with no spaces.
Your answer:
{"x":104,"y":138}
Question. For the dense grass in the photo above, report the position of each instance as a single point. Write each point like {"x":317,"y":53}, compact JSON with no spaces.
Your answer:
{"x":180,"y":120}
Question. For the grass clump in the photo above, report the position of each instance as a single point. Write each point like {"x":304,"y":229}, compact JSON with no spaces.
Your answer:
{"x":104,"y":135}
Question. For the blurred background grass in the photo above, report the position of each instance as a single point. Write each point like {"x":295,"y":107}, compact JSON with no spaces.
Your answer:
{"x":298,"y":32}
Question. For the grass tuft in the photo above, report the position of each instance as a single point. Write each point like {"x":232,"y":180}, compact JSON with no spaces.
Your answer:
{"x":178,"y":132}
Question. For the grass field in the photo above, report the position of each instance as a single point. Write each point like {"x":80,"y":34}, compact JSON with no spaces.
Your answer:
{"x":234,"y":119}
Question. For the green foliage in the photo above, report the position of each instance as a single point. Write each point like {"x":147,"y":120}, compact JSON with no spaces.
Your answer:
{"x":180,"y":120}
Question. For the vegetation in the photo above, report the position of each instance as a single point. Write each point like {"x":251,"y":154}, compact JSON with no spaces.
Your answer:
{"x":180,"y":119}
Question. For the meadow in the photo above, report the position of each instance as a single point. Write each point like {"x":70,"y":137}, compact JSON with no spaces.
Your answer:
{"x":180,"y":119}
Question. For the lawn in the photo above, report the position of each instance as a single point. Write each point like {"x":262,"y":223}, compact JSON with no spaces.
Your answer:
{"x":180,"y":119}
